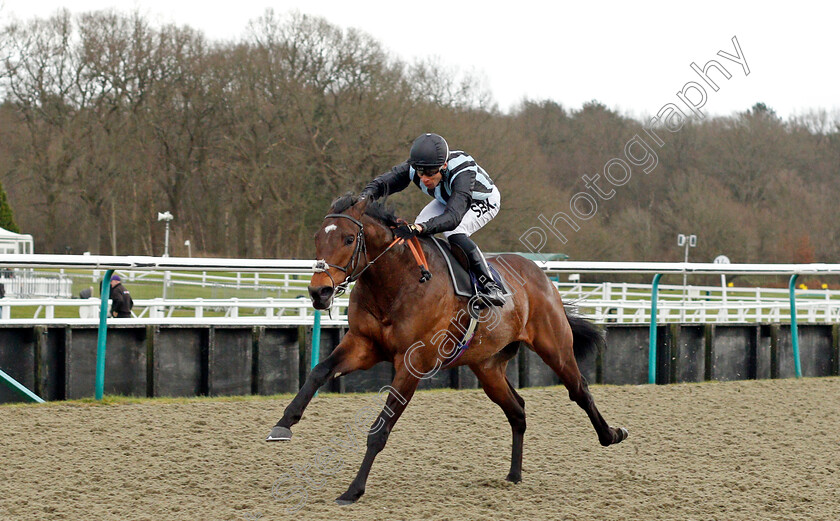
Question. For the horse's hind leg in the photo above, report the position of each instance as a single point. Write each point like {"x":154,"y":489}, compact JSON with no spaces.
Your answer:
{"x":501,"y":392}
{"x":556,"y":350}
{"x":351,"y":354}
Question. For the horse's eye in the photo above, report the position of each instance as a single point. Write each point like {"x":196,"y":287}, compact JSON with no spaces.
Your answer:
{"x":349,"y":240}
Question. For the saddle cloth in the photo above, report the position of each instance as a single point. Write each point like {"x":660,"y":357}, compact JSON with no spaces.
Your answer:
{"x":463,"y":282}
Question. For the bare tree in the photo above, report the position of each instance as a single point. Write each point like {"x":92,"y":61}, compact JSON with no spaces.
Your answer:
{"x":45,"y":79}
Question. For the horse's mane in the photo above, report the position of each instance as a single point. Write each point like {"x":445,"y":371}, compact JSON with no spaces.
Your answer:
{"x":385,"y":214}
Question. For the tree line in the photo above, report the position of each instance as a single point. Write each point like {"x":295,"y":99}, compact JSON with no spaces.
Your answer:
{"x":107,"y":119}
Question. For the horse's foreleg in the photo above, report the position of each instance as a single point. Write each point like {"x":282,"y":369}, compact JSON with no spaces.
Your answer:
{"x":402,"y":389}
{"x":354,"y":352}
{"x":498,"y":388}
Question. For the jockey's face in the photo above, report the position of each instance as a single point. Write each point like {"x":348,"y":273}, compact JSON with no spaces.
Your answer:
{"x":431,"y":178}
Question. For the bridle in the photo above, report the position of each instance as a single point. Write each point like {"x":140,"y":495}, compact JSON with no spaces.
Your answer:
{"x":322,"y":266}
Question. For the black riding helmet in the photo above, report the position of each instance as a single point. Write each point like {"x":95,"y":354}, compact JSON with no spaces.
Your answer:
{"x":428,"y":151}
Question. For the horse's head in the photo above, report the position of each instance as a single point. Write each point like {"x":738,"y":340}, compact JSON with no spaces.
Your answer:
{"x":340,"y":250}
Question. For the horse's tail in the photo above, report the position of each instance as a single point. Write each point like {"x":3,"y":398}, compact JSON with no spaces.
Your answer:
{"x":587,"y":337}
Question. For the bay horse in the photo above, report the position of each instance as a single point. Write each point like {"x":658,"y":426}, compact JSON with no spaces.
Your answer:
{"x":390,"y":312}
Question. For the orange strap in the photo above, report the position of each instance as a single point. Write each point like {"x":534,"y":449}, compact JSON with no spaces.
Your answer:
{"x":416,"y":250}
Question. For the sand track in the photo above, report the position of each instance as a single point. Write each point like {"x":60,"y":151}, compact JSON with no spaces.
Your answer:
{"x":715,"y":451}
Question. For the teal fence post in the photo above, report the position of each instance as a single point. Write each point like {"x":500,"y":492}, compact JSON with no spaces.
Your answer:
{"x":104,"y":294}
{"x":794,"y":333}
{"x":316,"y":342}
{"x":652,"y":351}
{"x":17,"y":386}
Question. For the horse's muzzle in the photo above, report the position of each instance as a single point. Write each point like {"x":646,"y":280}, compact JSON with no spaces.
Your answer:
{"x":321,"y":296}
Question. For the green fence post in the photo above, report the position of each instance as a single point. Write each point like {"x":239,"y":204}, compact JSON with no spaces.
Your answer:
{"x":794,"y":333}
{"x":316,"y":342}
{"x":652,"y":351}
{"x":17,"y":386}
{"x":104,"y":294}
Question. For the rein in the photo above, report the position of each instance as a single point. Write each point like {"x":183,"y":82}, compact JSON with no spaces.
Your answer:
{"x":322,"y":266}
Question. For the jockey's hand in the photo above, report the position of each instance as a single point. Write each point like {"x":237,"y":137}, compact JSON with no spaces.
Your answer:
{"x":407,"y":231}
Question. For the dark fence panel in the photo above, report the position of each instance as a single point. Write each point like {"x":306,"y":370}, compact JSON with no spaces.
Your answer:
{"x":230,"y":361}
{"x":277,"y":360}
{"x":17,"y":359}
{"x":465,"y":378}
{"x":688,"y":353}
{"x":816,"y":351}
{"x":60,"y":362}
{"x":733,"y":353}
{"x":125,"y":361}
{"x":625,"y":361}
{"x":50,"y":371}
{"x":369,"y":381}
{"x":533,"y":372}
{"x":767,"y":337}
{"x":178,"y":361}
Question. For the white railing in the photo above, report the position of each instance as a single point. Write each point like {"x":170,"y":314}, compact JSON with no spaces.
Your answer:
{"x":630,"y":303}
{"x":279,"y":282}
{"x":607,"y":302}
{"x":638,"y":312}
{"x":288,"y":311}
{"x":630,"y":291}
{"x":29,"y":284}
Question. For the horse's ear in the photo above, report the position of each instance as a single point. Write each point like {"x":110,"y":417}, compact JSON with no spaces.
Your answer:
{"x":360,"y":207}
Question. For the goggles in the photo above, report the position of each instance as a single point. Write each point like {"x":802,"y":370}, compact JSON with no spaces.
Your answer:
{"x":428,"y":171}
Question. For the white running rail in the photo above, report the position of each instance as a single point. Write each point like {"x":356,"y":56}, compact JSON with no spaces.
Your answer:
{"x":606,"y":303}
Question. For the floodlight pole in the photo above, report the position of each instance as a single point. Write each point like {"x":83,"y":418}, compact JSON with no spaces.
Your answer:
{"x":166,"y":217}
{"x":689,"y":241}
{"x":166,"y":240}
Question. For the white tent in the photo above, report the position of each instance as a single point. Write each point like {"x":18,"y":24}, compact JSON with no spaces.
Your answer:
{"x":11,"y":242}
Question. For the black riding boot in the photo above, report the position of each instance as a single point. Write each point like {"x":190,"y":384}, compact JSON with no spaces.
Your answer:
{"x":492,"y":292}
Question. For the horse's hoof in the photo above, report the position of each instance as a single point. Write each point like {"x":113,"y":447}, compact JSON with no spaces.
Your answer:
{"x":348,"y":498}
{"x":513,"y":479}
{"x":622,"y":434}
{"x":279,"y":434}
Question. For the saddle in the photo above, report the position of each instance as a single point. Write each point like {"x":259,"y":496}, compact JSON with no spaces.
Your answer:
{"x":464,"y":282}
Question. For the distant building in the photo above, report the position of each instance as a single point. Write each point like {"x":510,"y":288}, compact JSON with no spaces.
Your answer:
{"x":11,"y":242}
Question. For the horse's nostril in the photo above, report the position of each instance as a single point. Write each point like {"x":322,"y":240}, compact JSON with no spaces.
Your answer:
{"x":321,"y":292}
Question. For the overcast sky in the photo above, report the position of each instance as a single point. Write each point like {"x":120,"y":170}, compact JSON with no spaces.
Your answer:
{"x":631,"y":56}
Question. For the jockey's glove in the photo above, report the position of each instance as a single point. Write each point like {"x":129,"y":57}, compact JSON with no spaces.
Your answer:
{"x":407,"y":231}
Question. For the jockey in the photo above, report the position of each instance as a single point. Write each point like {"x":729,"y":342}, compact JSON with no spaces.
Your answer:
{"x":465,"y":199}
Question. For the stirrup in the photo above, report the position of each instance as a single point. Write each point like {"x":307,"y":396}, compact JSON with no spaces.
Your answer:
{"x":493,"y":294}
